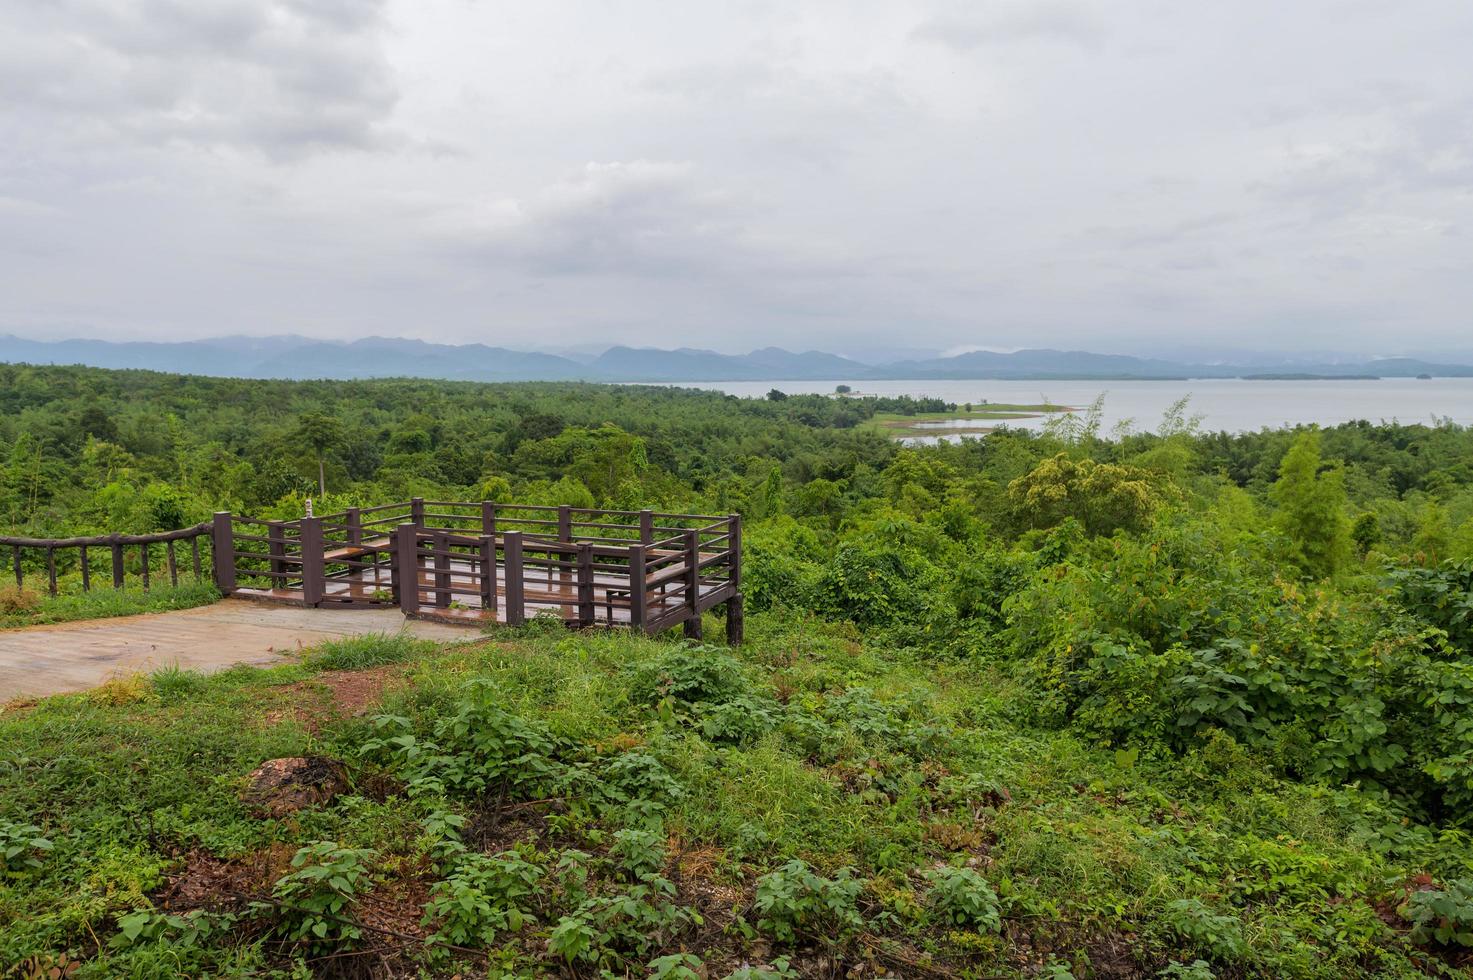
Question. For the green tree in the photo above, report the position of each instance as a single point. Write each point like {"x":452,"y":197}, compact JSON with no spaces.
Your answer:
{"x":321,"y":432}
{"x":1310,"y":498}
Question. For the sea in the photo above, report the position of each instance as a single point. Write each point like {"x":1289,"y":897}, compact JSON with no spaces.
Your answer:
{"x":1221,"y":404}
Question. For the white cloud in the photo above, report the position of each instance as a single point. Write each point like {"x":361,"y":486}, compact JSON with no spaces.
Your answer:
{"x":836,"y":174}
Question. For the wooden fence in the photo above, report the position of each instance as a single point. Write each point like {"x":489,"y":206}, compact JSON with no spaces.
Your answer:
{"x":487,"y":562}
{"x":67,"y":556}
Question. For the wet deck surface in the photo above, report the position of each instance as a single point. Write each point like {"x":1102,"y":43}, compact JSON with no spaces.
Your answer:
{"x":43,"y":660}
{"x":543,"y":591}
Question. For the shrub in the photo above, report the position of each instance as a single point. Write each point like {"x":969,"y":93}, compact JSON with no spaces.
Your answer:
{"x":1220,"y":936}
{"x":1443,"y":915}
{"x":316,"y":897}
{"x":963,"y":897}
{"x":793,"y":900}
{"x":483,"y":896}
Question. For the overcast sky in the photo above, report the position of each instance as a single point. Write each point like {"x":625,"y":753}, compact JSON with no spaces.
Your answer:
{"x":1115,"y":175}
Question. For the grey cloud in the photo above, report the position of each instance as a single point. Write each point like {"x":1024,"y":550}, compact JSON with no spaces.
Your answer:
{"x":280,"y":76}
{"x":1005,"y":21}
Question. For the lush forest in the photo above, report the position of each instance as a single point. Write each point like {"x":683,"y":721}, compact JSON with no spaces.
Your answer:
{"x":1167,"y":703}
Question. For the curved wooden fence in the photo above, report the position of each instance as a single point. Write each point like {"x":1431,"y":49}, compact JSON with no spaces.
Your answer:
{"x":80,"y":554}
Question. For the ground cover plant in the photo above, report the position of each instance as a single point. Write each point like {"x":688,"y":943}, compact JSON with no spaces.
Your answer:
{"x":1168,"y":703}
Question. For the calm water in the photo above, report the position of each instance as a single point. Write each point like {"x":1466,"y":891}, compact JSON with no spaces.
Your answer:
{"x":1229,"y":404}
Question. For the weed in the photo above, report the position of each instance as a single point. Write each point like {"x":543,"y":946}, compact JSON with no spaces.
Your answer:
{"x":316,"y":898}
{"x":1443,"y":915}
{"x":20,"y":847}
{"x":482,"y":897}
{"x":793,"y":900}
{"x":963,"y":897}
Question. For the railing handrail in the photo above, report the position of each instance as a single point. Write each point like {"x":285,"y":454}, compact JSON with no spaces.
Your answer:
{"x":107,"y":539}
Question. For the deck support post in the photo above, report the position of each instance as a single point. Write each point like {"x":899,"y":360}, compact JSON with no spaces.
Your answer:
{"x":222,"y":554}
{"x":516,"y":609}
{"x":441,"y":546}
{"x":693,"y":584}
{"x":354,"y":520}
{"x":488,"y":518}
{"x":276,"y":547}
{"x":646,"y":527}
{"x":735,"y":621}
{"x":488,"y":574}
{"x":417,"y":511}
{"x":117,"y":554}
{"x":637,"y":599}
{"x":735,"y":618}
{"x":406,"y":567}
{"x":585,"y":584}
{"x":314,"y":577}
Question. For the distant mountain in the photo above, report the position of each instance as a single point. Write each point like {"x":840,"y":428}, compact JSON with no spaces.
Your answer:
{"x":1027,"y":364}
{"x":376,"y":357}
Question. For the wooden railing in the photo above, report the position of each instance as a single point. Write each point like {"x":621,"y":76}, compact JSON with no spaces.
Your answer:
{"x":67,"y":556}
{"x":493,"y":562}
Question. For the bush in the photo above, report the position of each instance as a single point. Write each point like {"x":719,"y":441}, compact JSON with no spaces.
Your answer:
{"x":317,"y":897}
{"x":483,"y":896}
{"x":963,"y":897}
{"x":1443,"y":915}
{"x":793,"y":901}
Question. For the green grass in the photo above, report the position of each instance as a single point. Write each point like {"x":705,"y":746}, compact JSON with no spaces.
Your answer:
{"x":104,"y":602}
{"x":804,"y":744}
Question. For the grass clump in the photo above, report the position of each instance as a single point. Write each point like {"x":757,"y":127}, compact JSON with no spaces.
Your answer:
{"x":20,"y":607}
{"x":368,"y":650}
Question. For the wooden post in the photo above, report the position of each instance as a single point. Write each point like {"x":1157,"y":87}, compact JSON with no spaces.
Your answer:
{"x":585,"y":584}
{"x":693,"y":584}
{"x":516,"y":610}
{"x":406,"y":567}
{"x":646,"y":527}
{"x":51,"y":568}
{"x":488,"y":518}
{"x":223,"y":547}
{"x":15,"y":563}
{"x":417,"y":511}
{"x":488,"y":574}
{"x":194,"y":553}
{"x":314,"y":576}
{"x":442,"y":570}
{"x":276,"y":548}
{"x":354,"y":520}
{"x":173,"y":564}
{"x":86,"y":571}
{"x":735,"y":618}
{"x":117,"y":550}
{"x":564,"y":536}
{"x":637,"y":599}
{"x":735,"y":621}
{"x":143,"y":561}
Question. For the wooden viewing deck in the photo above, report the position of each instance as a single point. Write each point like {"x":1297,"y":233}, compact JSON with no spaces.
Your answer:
{"x":456,"y":561}
{"x":488,"y":562}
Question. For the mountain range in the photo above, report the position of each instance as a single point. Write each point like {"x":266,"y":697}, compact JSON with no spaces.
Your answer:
{"x":374,"y":357}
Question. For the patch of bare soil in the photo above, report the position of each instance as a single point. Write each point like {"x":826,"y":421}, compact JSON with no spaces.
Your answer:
{"x":334,"y":694}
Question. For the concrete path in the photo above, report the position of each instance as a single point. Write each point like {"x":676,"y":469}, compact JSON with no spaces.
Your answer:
{"x":41,"y":660}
